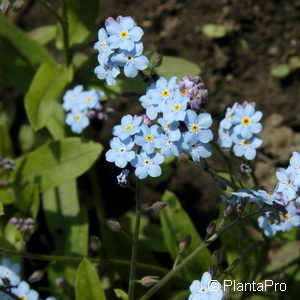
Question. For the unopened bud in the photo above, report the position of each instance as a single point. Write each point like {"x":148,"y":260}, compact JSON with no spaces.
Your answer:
{"x":157,"y":61}
{"x":114,"y":225}
{"x":157,"y":206}
{"x":149,"y":281}
{"x":36,"y":276}
{"x":221,"y":185}
{"x":185,"y":243}
{"x":183,"y":157}
{"x":95,"y":243}
{"x":211,"y":228}
{"x":61,"y":283}
{"x":213,"y":270}
{"x":228,"y":210}
{"x":217,"y":257}
{"x":212,"y":238}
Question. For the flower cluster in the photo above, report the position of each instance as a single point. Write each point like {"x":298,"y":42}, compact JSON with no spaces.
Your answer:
{"x":282,"y":203}
{"x":239,"y":129}
{"x":145,"y":143}
{"x":78,"y":103}
{"x":23,"y":224}
{"x":10,"y":283}
{"x":6,"y":164}
{"x":206,"y":289}
{"x":119,"y":46}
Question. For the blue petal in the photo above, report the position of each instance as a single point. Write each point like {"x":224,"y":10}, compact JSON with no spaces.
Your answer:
{"x":154,"y":171}
{"x":130,"y":70}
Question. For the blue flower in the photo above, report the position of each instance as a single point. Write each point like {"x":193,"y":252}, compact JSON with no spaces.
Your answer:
{"x":198,"y":126}
{"x":246,"y":194}
{"x":124,"y":34}
{"x":224,"y":139}
{"x":206,"y":289}
{"x":23,"y":291}
{"x":77,"y":120}
{"x":132,"y":61}
{"x":268,"y":198}
{"x":121,"y":152}
{"x":129,"y":126}
{"x":71,"y":97}
{"x":169,"y":147}
{"x":9,"y":274}
{"x":285,"y":184}
{"x":295,"y":167}
{"x":150,"y":103}
{"x":246,"y":121}
{"x":291,"y":219}
{"x":171,"y":129}
{"x":147,"y":164}
{"x":102,"y":45}
{"x":90,"y":99}
{"x":122,"y":178}
{"x":108,"y":71}
{"x":15,"y":267}
{"x":226,"y":123}
{"x":175,"y":109}
{"x":269,"y":229}
{"x":164,"y":90}
{"x":195,"y":148}
{"x":246,"y":147}
{"x":149,"y":138}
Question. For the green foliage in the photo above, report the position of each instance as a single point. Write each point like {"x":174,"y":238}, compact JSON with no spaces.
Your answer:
{"x":176,"y":224}
{"x":121,"y":294}
{"x":47,"y":85}
{"x":176,"y":66}
{"x":88,"y":284}
{"x":280,"y":71}
{"x":214,"y":31}
{"x":43,"y":34}
{"x":56,"y":163}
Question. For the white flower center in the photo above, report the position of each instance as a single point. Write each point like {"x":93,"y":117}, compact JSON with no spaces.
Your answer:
{"x":147,"y":162}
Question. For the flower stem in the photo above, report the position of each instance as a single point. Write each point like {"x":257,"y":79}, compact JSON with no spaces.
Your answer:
{"x":135,"y":243}
{"x":64,"y":25}
{"x":9,"y":293}
{"x":207,"y":242}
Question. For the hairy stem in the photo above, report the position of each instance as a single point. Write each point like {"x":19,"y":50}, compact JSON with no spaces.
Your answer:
{"x":207,"y":242}
{"x":135,"y":242}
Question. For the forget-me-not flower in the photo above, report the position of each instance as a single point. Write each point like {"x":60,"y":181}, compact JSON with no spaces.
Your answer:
{"x":171,"y":129}
{"x":123,"y":34}
{"x":206,"y":289}
{"x":129,"y":126}
{"x":175,"y":109}
{"x":78,"y":120}
{"x":198,"y":126}
{"x":71,"y":97}
{"x":169,"y":147}
{"x":103,"y":47}
{"x":195,"y":148}
{"x":147,"y":164}
{"x":150,"y":103}
{"x":285,"y":184}
{"x":246,"y":147}
{"x":246,"y":121}
{"x":121,"y":152}
{"x":149,"y":138}
{"x":24,"y":292}
{"x":132,"y":61}
{"x":108,"y":71}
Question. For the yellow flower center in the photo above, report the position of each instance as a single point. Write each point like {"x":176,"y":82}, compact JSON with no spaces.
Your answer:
{"x":229,"y":116}
{"x":176,"y":107}
{"x":168,"y":126}
{"x":128,"y":127}
{"x":245,"y":143}
{"x":103,"y":45}
{"x":147,"y":162}
{"x":89,"y":99}
{"x":123,"y":34}
{"x":183,"y":91}
{"x":269,"y":195}
{"x":77,"y":117}
{"x":165,"y":93}
{"x":287,"y":217}
{"x":149,"y":138}
{"x":121,"y":150}
{"x":22,"y":297}
{"x":195,"y":127}
{"x":246,"y":121}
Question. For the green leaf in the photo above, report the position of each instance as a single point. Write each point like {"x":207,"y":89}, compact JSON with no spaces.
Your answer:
{"x":294,"y":62}
{"x":7,"y":112}
{"x":214,"y":31}
{"x":1,"y":209}
{"x":121,"y":294}
{"x":26,"y":137}
{"x":43,"y":34}
{"x":176,"y":224}
{"x":6,"y":147}
{"x":175,"y":66}
{"x":88,"y":284}
{"x":29,"y":48}
{"x":56,"y":122}
{"x":46,"y":88}
{"x":56,"y":163}
{"x":280,"y":71}
{"x":15,"y":70}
